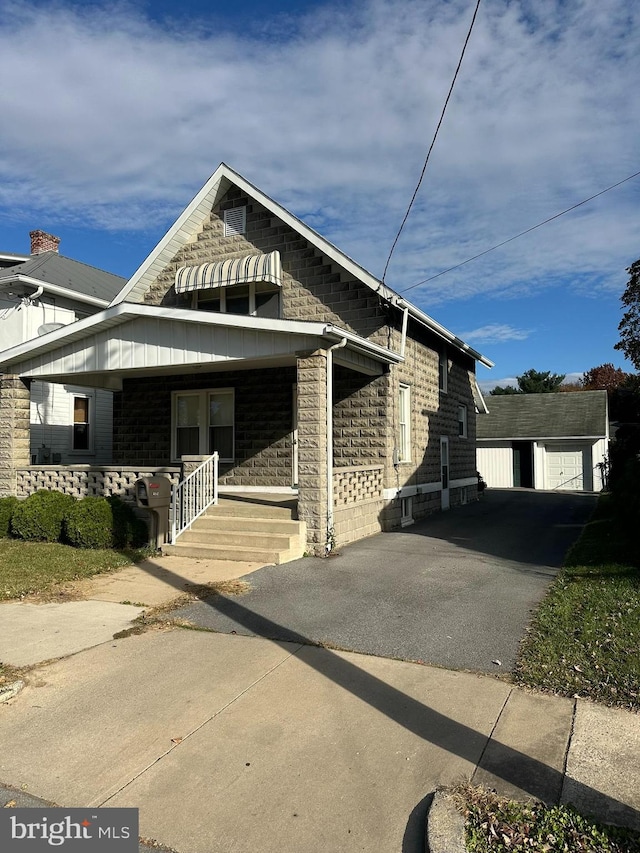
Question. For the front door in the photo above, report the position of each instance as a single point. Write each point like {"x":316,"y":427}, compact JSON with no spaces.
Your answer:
{"x":294,"y":438}
{"x":444,"y":470}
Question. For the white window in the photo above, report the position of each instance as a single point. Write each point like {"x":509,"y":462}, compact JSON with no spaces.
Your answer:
{"x":462,"y":421}
{"x":235,"y":221}
{"x":203,"y":423}
{"x":443,"y":370}
{"x":256,"y":299}
{"x":404,"y":423}
{"x":81,"y":431}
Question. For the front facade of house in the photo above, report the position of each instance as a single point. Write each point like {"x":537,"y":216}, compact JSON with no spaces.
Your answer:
{"x":244,"y":332}
{"x":554,"y":442}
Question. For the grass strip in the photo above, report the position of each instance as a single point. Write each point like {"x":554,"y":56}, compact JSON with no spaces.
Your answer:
{"x":28,"y":568}
{"x":584,"y":639}
{"x":497,"y":825}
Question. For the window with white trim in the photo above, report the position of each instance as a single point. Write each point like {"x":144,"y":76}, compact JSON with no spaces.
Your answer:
{"x":443,"y":370}
{"x":256,"y":299}
{"x":81,"y":436}
{"x":235,"y":221}
{"x":462,"y":421}
{"x":203,"y":422}
{"x":404,"y":423}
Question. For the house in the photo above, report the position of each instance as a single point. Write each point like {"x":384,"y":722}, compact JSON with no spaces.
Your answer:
{"x":250,"y":353}
{"x":545,"y":441}
{"x":40,"y":292}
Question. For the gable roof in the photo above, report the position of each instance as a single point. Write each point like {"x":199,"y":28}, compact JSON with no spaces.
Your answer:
{"x":189,"y":223}
{"x":65,"y":276}
{"x":576,"y":414}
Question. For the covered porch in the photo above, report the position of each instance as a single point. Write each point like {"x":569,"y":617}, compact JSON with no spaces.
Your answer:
{"x":294,"y":409}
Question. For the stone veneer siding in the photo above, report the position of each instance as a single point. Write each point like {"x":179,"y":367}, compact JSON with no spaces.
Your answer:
{"x":14,"y":430}
{"x":312,"y":449}
{"x":263,"y":422}
{"x":313,"y":287}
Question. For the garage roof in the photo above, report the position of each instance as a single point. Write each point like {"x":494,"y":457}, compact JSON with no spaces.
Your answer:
{"x":576,"y":414}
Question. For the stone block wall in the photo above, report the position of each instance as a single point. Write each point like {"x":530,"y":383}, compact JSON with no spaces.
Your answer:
{"x":358,"y":502}
{"x":313,"y":287}
{"x":263,"y":422}
{"x":312,"y":449}
{"x":83,"y":481}
{"x":14,"y":430}
{"x":359,"y":417}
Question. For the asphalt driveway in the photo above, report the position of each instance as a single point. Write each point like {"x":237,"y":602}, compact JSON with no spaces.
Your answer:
{"x":456,"y":590}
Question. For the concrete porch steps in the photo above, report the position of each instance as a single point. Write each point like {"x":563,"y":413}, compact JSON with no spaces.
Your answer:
{"x":247,"y":528}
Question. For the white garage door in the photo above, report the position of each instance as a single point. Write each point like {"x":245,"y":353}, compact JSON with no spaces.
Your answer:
{"x":565,"y":469}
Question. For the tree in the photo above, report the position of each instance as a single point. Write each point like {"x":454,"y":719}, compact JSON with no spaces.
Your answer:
{"x":501,"y":390}
{"x":629,"y":327}
{"x":532,"y":382}
{"x":605,"y":377}
{"x":539,"y":382}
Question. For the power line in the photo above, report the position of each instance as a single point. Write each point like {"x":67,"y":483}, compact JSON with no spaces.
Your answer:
{"x":521,"y":234}
{"x":433,"y":141}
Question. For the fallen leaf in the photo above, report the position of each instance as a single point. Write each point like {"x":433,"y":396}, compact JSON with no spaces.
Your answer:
{"x":10,"y":805}
{"x":497,"y":662}
{"x":176,"y":740}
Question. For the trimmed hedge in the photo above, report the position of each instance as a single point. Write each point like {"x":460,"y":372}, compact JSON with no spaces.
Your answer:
{"x":95,"y":522}
{"x":89,"y":524}
{"x":40,"y":517}
{"x":7,"y":508}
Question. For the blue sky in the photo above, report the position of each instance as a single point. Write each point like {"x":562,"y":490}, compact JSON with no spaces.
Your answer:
{"x":114,"y":115}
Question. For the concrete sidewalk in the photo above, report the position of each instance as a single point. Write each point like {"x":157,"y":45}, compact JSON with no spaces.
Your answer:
{"x":231,"y":743}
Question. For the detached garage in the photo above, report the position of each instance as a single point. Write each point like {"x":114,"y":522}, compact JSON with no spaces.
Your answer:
{"x":556,"y":441}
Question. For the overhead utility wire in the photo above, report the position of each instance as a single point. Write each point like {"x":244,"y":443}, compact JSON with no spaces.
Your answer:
{"x":433,"y":141}
{"x":522,"y":233}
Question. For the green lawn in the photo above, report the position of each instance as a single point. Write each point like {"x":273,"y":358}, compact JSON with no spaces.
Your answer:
{"x":585,"y":636}
{"x":35,"y":567}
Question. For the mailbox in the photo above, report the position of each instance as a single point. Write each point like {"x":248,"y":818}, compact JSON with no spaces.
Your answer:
{"x":153,"y":492}
{"x":154,"y":495}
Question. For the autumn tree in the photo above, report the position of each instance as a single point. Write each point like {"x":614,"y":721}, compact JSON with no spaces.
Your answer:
{"x":605,"y":377}
{"x":629,"y":327}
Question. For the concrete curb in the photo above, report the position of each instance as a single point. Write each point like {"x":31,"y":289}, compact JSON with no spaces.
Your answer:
{"x":445,"y":826}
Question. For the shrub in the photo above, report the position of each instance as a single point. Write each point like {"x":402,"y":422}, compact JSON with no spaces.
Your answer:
{"x":129,"y":530}
{"x":40,"y":516}
{"x":90,"y":524}
{"x":7,"y":508}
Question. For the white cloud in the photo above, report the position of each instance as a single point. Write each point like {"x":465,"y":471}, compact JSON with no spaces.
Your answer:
{"x":111,"y":120}
{"x":496,"y":333}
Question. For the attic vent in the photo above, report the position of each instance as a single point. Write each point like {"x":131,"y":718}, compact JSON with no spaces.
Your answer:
{"x":235,"y":221}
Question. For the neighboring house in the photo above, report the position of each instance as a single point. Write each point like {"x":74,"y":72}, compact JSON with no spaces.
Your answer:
{"x":545,"y":441}
{"x":247,"y":333}
{"x":41,"y":292}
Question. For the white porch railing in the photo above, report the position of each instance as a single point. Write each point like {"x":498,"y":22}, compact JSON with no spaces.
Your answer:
{"x":193,"y":495}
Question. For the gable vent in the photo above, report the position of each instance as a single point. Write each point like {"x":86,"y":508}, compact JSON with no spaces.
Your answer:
{"x":235,"y":221}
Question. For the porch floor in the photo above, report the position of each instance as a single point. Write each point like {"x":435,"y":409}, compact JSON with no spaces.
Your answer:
{"x":274,"y":499}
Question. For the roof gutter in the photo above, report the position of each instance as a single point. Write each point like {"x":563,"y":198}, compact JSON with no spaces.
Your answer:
{"x":52,"y":288}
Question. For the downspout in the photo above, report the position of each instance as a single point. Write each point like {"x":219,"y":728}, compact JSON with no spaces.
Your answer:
{"x":405,"y":318}
{"x":329,"y":401}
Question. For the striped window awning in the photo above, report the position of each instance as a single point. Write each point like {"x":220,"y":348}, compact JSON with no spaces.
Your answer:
{"x":266,"y":268}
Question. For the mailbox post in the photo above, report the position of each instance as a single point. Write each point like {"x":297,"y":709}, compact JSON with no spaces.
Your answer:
{"x":154,"y":495}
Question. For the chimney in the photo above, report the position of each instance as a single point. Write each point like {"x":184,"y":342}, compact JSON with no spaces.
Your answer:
{"x":43,"y":242}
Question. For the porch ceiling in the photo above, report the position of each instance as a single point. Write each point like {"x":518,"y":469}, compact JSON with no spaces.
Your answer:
{"x":136,"y":340}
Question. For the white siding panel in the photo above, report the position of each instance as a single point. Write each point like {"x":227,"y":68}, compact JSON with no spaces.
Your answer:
{"x":495,"y":463}
{"x":51,"y":418}
{"x":599,"y":454}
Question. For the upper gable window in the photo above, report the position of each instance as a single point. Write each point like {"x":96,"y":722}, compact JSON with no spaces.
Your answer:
{"x":235,"y":221}
{"x":257,"y":299}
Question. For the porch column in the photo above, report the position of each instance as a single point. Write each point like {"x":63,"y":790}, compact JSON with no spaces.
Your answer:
{"x":312,"y":449}
{"x":15,"y":401}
